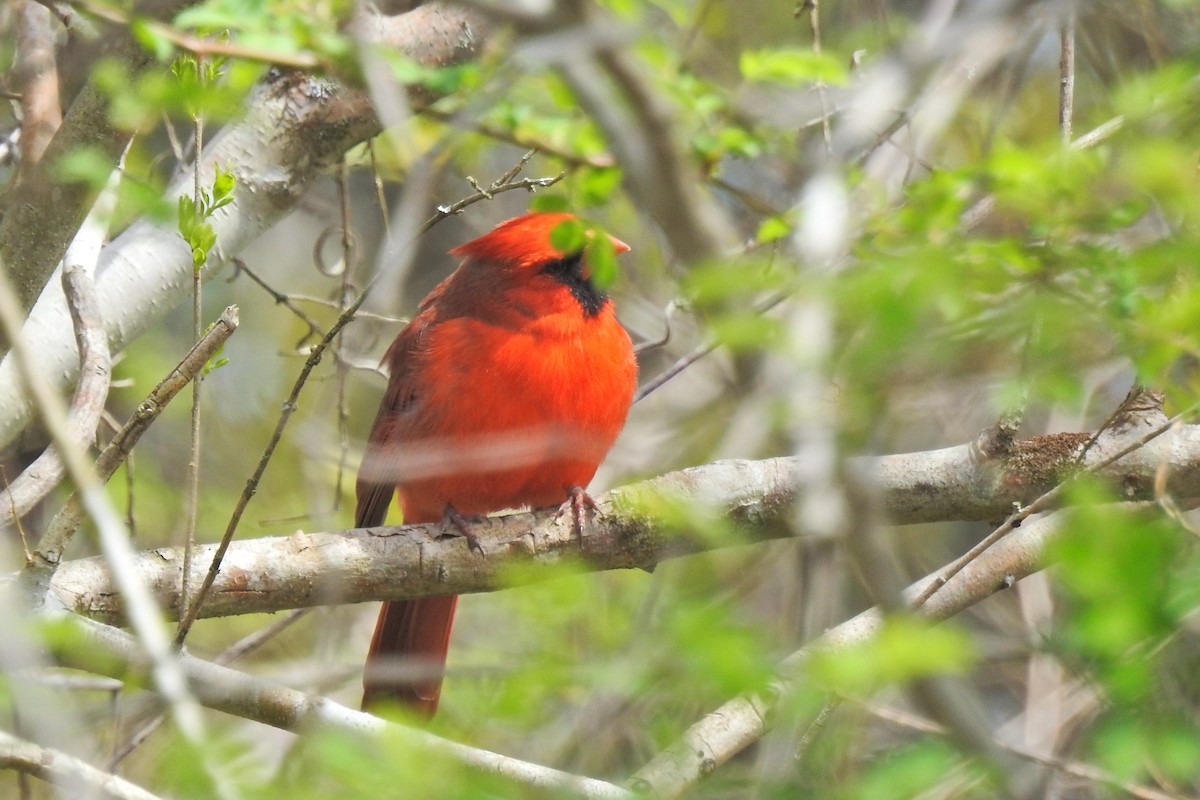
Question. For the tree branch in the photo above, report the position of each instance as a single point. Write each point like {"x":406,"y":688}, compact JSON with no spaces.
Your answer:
{"x":297,"y":126}
{"x":36,"y":79}
{"x":94,"y":646}
{"x":48,"y":552}
{"x":59,"y":768}
{"x":95,"y":362}
{"x":742,"y":721}
{"x":307,"y":569}
{"x":44,"y":212}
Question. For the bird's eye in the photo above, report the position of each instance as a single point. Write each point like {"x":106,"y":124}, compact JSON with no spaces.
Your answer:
{"x":570,"y":265}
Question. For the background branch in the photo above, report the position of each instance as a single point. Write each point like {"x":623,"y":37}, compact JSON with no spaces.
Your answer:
{"x":48,"y":552}
{"x":742,"y":721}
{"x":233,"y":692}
{"x":95,"y":362}
{"x":59,"y":768}
{"x":146,"y":270}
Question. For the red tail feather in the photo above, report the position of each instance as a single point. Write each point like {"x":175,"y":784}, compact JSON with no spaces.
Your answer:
{"x":408,"y":653}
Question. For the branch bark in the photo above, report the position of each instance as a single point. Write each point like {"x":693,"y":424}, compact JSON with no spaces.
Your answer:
{"x":320,"y":568}
{"x":43,"y":211}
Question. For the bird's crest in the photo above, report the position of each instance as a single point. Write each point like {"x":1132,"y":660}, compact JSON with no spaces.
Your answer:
{"x":522,"y":241}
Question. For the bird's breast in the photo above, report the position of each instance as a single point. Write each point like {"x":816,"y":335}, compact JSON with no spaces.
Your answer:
{"x":514,"y":415}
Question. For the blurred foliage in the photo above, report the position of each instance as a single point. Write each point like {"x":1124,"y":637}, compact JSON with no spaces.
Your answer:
{"x":1001,"y":265}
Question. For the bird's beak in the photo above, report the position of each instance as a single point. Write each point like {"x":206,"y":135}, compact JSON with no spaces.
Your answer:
{"x":618,"y":246}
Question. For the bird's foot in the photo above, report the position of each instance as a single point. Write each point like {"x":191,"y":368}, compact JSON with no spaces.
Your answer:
{"x":462,"y":527}
{"x":579,"y":503}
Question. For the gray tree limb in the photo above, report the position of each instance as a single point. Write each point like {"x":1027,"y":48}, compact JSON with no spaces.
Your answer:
{"x":319,"y":568}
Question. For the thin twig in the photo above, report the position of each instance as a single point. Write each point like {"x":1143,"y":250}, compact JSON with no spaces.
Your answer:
{"x":816,"y":726}
{"x":202,"y":47}
{"x":377,"y":179}
{"x":699,"y":352}
{"x":899,"y":121}
{"x":342,"y":369}
{"x":192,"y":479}
{"x":61,"y":769}
{"x":16,"y":516}
{"x":1066,"y":75}
{"x":814,"y":21}
{"x":601,"y":161}
{"x":281,"y":299}
{"x":531,"y":184}
{"x":50,"y":547}
{"x":327,"y":303}
{"x":1100,"y":133}
{"x":1075,"y":769}
{"x":1123,"y":408}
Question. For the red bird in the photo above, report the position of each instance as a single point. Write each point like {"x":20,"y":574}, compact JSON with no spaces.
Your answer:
{"x":507,"y":390}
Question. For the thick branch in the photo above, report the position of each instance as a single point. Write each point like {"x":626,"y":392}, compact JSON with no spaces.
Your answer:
{"x":36,"y":74}
{"x":44,"y":212}
{"x":308,"y":569}
{"x":297,"y":125}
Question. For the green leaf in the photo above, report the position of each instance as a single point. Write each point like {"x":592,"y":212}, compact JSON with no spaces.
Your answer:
{"x":602,"y":259}
{"x":151,"y":39}
{"x":746,"y":331}
{"x":905,"y":648}
{"x":188,"y":218}
{"x":549,"y":202}
{"x":186,"y":68}
{"x":210,"y":15}
{"x":84,"y":165}
{"x":791,"y":65}
{"x":773,"y":229}
{"x":568,"y":236}
{"x":215,"y":363}
{"x":223,"y":186}
{"x":597,"y":185}
{"x":206,"y":236}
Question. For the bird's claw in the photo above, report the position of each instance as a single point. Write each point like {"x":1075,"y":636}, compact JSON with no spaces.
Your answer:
{"x":579,"y":503}
{"x":462,"y":526}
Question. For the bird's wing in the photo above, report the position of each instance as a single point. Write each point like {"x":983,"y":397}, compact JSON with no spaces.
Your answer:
{"x":379,"y":471}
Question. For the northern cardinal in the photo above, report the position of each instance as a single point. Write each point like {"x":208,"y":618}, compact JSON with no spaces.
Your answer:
{"x":507,"y":389}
